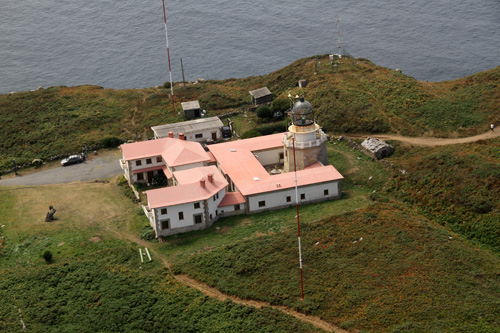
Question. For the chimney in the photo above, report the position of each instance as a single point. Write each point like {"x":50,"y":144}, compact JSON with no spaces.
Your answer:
{"x":170,"y":134}
{"x":210,"y":178}
{"x":181,"y":136}
{"x":202,"y":183}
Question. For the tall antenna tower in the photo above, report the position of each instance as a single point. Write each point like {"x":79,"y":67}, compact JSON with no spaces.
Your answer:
{"x":338,"y":32}
{"x":168,"y":54}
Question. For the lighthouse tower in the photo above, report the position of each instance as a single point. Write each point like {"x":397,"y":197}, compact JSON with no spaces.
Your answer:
{"x":307,"y":137}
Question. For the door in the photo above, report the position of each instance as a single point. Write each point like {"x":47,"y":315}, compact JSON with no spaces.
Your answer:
{"x":150,"y":177}
{"x":214,"y":136}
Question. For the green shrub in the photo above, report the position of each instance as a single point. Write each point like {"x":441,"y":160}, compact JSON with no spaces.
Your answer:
{"x":110,"y":142}
{"x":264,"y":112}
{"x":280,"y":105}
{"x":250,"y":134}
{"x":159,"y":179}
{"x":47,"y":255}
{"x":272,"y":128}
{"x":148,"y":233}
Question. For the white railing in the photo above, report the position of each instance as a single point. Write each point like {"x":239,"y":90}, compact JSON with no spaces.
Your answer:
{"x":321,"y":137}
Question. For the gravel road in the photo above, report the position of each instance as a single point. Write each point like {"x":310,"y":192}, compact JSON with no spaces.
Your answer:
{"x":97,"y":167}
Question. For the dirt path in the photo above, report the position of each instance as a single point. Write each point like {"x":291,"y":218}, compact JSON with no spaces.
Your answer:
{"x":423,"y":141}
{"x":214,"y":293}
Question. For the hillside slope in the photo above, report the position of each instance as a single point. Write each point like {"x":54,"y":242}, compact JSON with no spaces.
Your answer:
{"x":360,"y":98}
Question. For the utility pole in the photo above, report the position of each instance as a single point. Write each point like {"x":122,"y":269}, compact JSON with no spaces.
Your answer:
{"x":183,"y":79}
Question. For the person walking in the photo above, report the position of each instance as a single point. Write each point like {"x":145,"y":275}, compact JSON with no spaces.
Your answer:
{"x":492,"y":127}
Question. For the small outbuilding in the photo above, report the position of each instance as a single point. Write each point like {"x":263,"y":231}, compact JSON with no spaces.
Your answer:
{"x":377,"y":148}
{"x":199,"y":130}
{"x":261,"y":96}
{"x":191,"y":109}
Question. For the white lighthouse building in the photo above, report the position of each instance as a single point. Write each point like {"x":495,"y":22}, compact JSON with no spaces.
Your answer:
{"x":307,"y":137}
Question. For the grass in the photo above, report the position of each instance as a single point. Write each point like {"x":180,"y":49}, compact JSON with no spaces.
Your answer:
{"x":365,"y":270}
{"x":95,"y":281}
{"x":360,"y":98}
{"x":456,"y":186}
{"x":402,"y":252}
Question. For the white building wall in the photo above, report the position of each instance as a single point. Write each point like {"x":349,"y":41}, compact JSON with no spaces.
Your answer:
{"x":188,"y":222}
{"x":206,"y":134}
{"x":230,"y":211}
{"x":278,"y":199}
{"x":144,"y":165}
{"x":186,"y":167}
{"x":269,"y":157}
{"x":213,"y":205}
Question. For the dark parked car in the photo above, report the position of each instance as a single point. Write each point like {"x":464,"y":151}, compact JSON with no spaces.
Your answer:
{"x":73,"y":159}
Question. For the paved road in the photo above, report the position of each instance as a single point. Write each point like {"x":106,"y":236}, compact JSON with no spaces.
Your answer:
{"x":99,"y":167}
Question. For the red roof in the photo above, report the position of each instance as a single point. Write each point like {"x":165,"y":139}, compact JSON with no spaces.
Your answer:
{"x":189,"y":188}
{"x":236,"y":159}
{"x":232,"y":198}
{"x":174,"y":151}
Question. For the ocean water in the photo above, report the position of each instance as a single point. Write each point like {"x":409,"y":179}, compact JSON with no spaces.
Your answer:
{"x":121,"y":44}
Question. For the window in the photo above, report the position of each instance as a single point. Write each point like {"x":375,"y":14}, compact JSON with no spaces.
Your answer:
{"x":303,"y":196}
{"x":196,"y":205}
{"x":236,"y":207}
{"x":288,"y":198}
{"x":198,"y":218}
{"x":140,"y":176}
{"x":181,"y":215}
{"x":197,"y":136}
{"x":148,"y":161}
{"x":325,"y":192}
{"x":159,"y":159}
{"x":165,"y":224}
{"x":210,"y":216}
{"x":163,"y":211}
{"x":217,"y":195}
{"x":262,"y":204}
{"x":138,"y":162}
{"x":214,"y":197}
{"x":282,"y":155}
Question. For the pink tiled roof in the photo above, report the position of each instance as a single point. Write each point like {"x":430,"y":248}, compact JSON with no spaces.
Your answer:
{"x":232,"y":198}
{"x":174,"y":151}
{"x":189,"y":188}
{"x":157,"y":167}
{"x":237,"y":160}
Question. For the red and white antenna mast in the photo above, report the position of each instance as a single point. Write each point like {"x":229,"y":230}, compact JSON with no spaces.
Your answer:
{"x":298,"y":220}
{"x":168,"y":54}
{"x":338,"y":31}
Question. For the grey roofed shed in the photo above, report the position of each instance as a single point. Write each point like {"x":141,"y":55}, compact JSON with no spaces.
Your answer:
{"x":190,"y":127}
{"x":261,"y":96}
{"x":191,"y":109}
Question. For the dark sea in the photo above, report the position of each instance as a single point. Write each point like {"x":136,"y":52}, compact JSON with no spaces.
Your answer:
{"x":121,"y":44}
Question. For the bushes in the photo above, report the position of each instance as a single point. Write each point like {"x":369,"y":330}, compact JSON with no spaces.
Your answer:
{"x":265,"y":130}
{"x":264,"y":112}
{"x":159,"y":179}
{"x":276,"y":111}
{"x":110,"y":142}
{"x":47,"y":255}
{"x":280,"y":105}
